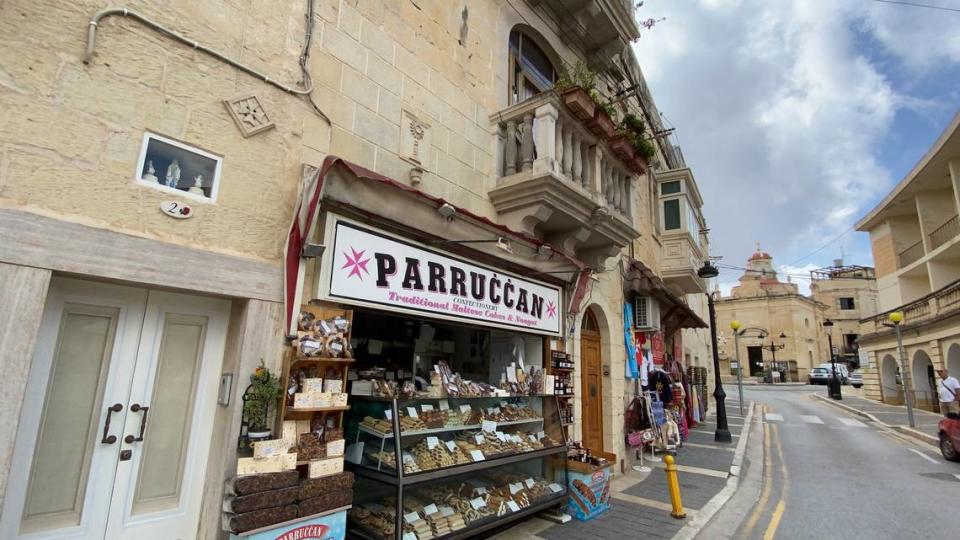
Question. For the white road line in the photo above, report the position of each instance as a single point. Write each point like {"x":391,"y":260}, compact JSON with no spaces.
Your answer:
{"x":811,"y":419}
{"x":957,"y":476}
{"x":851,"y":422}
{"x":773,"y":417}
{"x":924,"y":456}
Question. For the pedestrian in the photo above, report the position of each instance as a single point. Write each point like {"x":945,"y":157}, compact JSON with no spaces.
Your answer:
{"x":949,"y":391}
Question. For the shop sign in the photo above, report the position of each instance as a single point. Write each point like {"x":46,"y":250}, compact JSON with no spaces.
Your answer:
{"x":656,"y":348}
{"x":372,"y":268}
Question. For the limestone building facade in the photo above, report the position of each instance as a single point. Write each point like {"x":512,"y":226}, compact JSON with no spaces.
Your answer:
{"x":155,"y":181}
{"x":915,"y":238}
{"x":850,"y":295}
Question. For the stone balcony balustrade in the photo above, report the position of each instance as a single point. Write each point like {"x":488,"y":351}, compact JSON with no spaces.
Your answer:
{"x":558,"y":181}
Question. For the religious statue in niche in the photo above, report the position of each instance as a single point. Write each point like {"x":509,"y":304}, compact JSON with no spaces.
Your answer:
{"x":197,"y":186}
{"x":173,"y":174}
{"x":151,"y":174}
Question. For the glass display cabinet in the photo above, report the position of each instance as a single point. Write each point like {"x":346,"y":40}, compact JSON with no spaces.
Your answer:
{"x":466,"y":464}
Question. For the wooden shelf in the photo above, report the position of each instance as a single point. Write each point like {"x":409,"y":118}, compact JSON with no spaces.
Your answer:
{"x":322,"y":359}
{"x":466,"y":427}
{"x":291,"y":410}
{"x":563,"y":395}
{"x":562,"y":368}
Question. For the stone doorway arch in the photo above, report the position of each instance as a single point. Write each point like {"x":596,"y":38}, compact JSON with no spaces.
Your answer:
{"x":922,"y":381}
{"x":891,"y":388}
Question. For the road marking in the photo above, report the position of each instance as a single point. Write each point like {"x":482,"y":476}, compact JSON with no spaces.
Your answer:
{"x":774,"y":417}
{"x":957,"y":476}
{"x":767,"y":480}
{"x":851,"y":422}
{"x":811,"y":419}
{"x":709,"y":446}
{"x":924,"y":456}
{"x":784,"y":486}
{"x":651,"y":503}
{"x":774,"y":521}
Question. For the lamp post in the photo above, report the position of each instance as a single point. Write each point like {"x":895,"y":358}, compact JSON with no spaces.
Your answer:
{"x":773,"y":348}
{"x":735,"y":326}
{"x":896,"y":318}
{"x":722,"y":433}
{"x":833,"y":386}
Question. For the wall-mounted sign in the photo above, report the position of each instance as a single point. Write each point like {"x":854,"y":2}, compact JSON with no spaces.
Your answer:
{"x":176,"y":209}
{"x":370,"y":267}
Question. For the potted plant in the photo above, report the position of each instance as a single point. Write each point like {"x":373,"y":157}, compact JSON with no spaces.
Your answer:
{"x":622,"y":144}
{"x":575,"y":87}
{"x":643,"y":149}
{"x":262,"y":394}
{"x":604,"y":123}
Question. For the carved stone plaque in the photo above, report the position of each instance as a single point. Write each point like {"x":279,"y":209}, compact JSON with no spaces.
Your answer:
{"x":414,"y":139}
{"x":248,"y":114}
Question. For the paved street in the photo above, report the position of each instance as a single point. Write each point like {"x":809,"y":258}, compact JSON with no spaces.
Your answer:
{"x":826,"y":474}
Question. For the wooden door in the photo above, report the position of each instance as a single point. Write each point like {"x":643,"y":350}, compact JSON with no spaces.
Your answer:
{"x":591,"y":384}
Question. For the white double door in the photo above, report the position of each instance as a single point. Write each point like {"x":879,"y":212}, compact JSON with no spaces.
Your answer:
{"x":116,"y":423}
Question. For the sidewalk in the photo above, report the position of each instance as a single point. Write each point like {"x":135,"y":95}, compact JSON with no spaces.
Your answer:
{"x":892,"y":416}
{"x":640,"y":502}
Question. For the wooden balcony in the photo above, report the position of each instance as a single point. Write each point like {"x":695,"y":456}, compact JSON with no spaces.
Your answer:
{"x":556,"y":180}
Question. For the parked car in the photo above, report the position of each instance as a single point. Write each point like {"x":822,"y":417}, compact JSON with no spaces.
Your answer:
{"x":819,"y":375}
{"x":949,"y":429}
{"x":842,"y":372}
{"x":856,"y":379}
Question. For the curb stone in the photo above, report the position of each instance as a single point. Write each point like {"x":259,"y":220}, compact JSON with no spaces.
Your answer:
{"x":906,"y":430}
{"x":705,"y":514}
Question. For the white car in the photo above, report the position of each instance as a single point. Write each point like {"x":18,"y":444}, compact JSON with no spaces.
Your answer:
{"x":856,"y":379}
{"x":842,"y":372}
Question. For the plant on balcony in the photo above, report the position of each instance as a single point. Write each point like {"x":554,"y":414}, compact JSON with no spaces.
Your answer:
{"x":604,"y":122}
{"x":576,"y":87}
{"x":633,"y":130}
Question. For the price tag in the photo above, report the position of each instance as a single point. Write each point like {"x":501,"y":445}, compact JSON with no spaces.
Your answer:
{"x":411,"y":517}
{"x":388,"y":414}
{"x":464,"y":409}
{"x":412,"y":412}
{"x":426,"y":407}
{"x":532,"y":438}
{"x":556,"y":488}
{"x":501,"y":437}
{"x":479,"y":438}
{"x":540,"y":435}
{"x":432,"y":442}
{"x":409,"y":536}
{"x":488,"y":425}
{"x":408,"y":458}
{"x":513,"y":506}
{"x":530,"y":483}
{"x":476,"y":455}
{"x":444,"y":405}
{"x":515,"y":488}
{"x":478,"y":503}
{"x":430,"y":509}
{"x":451,"y":446}
{"x":446,"y":511}
{"x":481,"y":490}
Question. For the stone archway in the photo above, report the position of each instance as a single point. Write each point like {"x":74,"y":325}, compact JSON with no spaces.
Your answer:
{"x":891,"y":389}
{"x":953,"y":360}
{"x":921,"y":372}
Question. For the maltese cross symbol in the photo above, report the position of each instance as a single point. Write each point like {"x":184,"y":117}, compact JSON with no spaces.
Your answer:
{"x":356,"y":263}
{"x":551,"y":310}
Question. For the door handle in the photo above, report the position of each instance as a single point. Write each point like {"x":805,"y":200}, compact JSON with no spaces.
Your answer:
{"x":110,"y":439}
{"x":136,"y":407}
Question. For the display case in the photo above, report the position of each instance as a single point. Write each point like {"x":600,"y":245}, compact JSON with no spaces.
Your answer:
{"x":467,"y":464}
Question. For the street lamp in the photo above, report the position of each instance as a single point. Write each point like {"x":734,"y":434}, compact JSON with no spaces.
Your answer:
{"x":773,"y":348}
{"x":722,"y":433}
{"x":896,"y":318}
{"x":833,"y":386}
{"x":735,"y":326}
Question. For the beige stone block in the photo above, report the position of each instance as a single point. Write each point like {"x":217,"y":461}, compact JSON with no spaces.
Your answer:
{"x":346,"y":49}
{"x":377,"y":129}
{"x":359,"y":88}
{"x":440,"y":137}
{"x":350,"y":147}
{"x":327,"y":10}
{"x":316,"y":133}
{"x":382,"y":73}
{"x":325,"y":69}
{"x":39,"y":124}
{"x":422,"y":103}
{"x":194,"y":77}
{"x":377,"y":40}
{"x":391,"y":166}
{"x":410,"y":65}
{"x":402,"y":31}
{"x":389,"y":106}
{"x":454,"y":120}
{"x":448,"y":166}
{"x":33,"y":70}
{"x":461,"y":149}
{"x":479,"y":135}
{"x":349,"y":21}
{"x":339,"y":108}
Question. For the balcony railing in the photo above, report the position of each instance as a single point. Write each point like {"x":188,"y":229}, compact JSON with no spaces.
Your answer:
{"x":921,"y":310}
{"x":944,"y":233}
{"x":542,"y":134}
{"x":911,"y":255}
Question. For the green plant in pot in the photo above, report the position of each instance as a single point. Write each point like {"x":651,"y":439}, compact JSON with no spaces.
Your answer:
{"x":576,"y":87}
{"x":604,"y":122}
{"x":262,"y":395}
{"x":636,"y":132}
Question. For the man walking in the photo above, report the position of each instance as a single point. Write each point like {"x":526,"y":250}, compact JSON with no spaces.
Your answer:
{"x":949,"y":392}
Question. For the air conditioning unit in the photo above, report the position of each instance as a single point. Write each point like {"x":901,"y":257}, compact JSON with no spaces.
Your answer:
{"x":646,"y":313}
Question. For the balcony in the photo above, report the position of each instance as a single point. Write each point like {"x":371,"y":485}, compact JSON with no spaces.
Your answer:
{"x":556,"y":180}
{"x":944,"y":233}
{"x":911,"y":255}
{"x":682,"y":257}
{"x":939,"y":303}
{"x":603,"y":27}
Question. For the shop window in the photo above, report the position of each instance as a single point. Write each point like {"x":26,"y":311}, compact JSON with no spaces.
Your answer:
{"x":671,"y":214}
{"x":531,"y":71}
{"x":178,"y":168}
{"x":846,"y":303}
{"x":667,"y":188}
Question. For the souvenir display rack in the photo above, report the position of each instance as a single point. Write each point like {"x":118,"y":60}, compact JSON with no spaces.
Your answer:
{"x":561,"y":367}
{"x":452,"y":449}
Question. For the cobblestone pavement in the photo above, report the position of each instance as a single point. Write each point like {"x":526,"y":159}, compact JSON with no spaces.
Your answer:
{"x":640,"y":504}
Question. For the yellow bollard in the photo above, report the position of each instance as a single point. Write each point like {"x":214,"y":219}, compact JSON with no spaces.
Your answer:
{"x":673,"y":486}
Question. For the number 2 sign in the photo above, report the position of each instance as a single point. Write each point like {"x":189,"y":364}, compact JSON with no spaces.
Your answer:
{"x":176,"y":209}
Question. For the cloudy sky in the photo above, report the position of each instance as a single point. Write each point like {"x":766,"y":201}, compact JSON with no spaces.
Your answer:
{"x":797,"y":116}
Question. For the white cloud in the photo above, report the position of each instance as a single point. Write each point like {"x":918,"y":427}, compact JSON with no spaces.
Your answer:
{"x":781,"y":116}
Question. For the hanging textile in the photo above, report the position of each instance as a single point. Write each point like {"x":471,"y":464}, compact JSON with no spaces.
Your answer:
{"x":631,"y":371}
